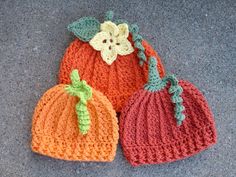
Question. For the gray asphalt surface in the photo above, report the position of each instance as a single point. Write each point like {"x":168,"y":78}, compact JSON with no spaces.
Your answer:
{"x":196,"y":40}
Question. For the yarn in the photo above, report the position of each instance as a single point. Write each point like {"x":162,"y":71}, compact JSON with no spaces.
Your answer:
{"x":55,"y":131}
{"x":155,"y":83}
{"x":137,"y":38}
{"x":112,"y":41}
{"x":117,"y":81}
{"x":85,"y":28}
{"x":109,"y":15}
{"x":83,"y":92}
{"x":148,"y":130}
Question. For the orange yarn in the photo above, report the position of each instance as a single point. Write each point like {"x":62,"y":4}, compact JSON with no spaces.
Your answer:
{"x":55,"y":130}
{"x":117,"y":81}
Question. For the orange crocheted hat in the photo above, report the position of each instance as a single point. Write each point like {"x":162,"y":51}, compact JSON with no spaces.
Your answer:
{"x":75,"y":122}
{"x":164,"y":122}
{"x":111,"y":57}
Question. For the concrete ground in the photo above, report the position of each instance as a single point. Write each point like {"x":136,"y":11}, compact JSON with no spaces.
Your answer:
{"x":196,"y":40}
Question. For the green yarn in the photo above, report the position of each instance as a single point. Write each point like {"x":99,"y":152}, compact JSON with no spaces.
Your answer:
{"x":155,"y":83}
{"x":109,"y":15}
{"x":120,"y":21}
{"x":85,"y":28}
{"x":176,"y":91}
{"x":137,"y":38}
{"x":84,"y":93}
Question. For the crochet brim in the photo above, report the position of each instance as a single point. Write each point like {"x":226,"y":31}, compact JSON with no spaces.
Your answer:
{"x":102,"y":152}
{"x":169,"y":152}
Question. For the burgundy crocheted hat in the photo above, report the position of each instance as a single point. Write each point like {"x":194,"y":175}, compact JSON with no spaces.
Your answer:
{"x":165,"y":121}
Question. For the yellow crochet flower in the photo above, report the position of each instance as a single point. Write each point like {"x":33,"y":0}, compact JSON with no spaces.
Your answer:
{"x":111,"y":41}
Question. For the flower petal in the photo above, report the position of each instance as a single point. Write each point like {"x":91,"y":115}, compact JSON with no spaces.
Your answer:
{"x":123,"y":30}
{"x":109,"y":55}
{"x":124,"y":47}
{"x":110,"y":27}
{"x":99,"y":41}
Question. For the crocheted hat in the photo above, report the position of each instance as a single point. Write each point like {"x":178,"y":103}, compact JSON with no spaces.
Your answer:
{"x":156,"y":127}
{"x":110,"y":56}
{"x":75,"y":122}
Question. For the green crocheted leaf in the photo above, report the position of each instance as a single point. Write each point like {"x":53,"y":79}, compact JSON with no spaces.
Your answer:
{"x":85,"y":28}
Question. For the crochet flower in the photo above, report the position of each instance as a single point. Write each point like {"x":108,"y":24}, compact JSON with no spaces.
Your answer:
{"x":111,"y":41}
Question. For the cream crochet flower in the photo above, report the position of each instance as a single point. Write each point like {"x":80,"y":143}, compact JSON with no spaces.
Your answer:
{"x":111,"y":41}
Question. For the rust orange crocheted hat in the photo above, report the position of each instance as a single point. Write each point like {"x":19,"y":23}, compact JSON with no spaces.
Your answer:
{"x":75,"y":122}
{"x":110,"y":56}
{"x":165,"y":122}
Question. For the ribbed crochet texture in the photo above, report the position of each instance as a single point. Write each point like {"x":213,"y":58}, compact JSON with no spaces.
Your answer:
{"x":155,"y":83}
{"x":55,"y":131}
{"x":149,"y":132}
{"x":117,"y":81}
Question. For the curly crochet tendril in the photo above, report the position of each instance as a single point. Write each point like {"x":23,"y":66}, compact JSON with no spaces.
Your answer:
{"x":155,"y":83}
{"x":84,"y":93}
{"x":136,"y":37}
{"x":87,"y":28}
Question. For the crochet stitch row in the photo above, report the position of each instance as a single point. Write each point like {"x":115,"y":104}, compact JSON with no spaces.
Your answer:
{"x":109,"y":67}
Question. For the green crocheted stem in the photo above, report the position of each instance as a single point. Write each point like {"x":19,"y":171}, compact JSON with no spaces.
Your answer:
{"x":155,"y":83}
{"x":109,"y":15}
{"x":84,"y":92}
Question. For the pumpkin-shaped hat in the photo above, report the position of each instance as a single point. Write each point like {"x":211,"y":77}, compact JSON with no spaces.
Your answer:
{"x":165,"y":122}
{"x":110,"y":56}
{"x":75,"y":122}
